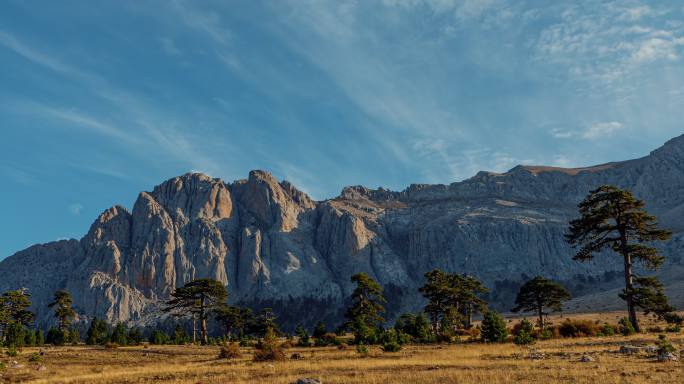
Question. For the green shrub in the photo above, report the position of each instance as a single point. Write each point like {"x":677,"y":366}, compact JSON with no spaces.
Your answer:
{"x":664,"y":345}
{"x":523,"y":326}
{"x":546,"y":334}
{"x":626,"y":327}
{"x":607,"y":330}
{"x":675,"y":328}
{"x":159,"y":337}
{"x":493,"y":328}
{"x":391,"y":346}
{"x":362,"y":350}
{"x":34,"y":357}
{"x":327,"y":340}
{"x":2,"y":366}
{"x":523,"y":338}
{"x":11,"y":351}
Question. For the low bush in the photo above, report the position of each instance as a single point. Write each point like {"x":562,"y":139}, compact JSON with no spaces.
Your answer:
{"x":524,"y":325}
{"x":34,"y":357}
{"x":607,"y":330}
{"x":676,"y":328}
{"x":269,"y":353}
{"x":625,"y":326}
{"x":362,"y":350}
{"x":664,"y":345}
{"x":111,"y":346}
{"x":523,"y":338}
{"x":229,"y":351}
{"x":327,"y":339}
{"x":578,"y":328}
{"x":11,"y":351}
{"x":392,"y":346}
{"x":268,"y":349}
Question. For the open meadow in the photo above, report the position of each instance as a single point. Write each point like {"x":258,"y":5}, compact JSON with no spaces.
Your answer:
{"x":550,"y":361}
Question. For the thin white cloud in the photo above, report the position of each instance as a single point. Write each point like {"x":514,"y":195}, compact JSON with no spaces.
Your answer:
{"x":600,"y":130}
{"x":606,"y":42}
{"x":29,"y":53}
{"x":76,"y":208}
{"x":594,"y":131}
{"x":208,"y":22}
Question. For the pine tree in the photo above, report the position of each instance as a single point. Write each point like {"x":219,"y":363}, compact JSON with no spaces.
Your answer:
{"x":198,"y":298}
{"x":319,"y":330}
{"x":611,"y":218}
{"x":119,"y":334}
{"x":14,"y":311}
{"x":63,"y":309}
{"x":97,"y":332}
{"x":364,"y":315}
{"x":233,"y":318}
{"x":493,"y":328}
{"x":303,"y":336}
{"x":540,"y":293}
{"x":452,"y":300}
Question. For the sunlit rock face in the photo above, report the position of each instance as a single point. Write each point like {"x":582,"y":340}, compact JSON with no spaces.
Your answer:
{"x":270,"y":243}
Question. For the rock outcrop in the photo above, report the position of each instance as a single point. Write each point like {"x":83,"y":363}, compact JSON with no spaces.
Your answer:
{"x":272,"y":244}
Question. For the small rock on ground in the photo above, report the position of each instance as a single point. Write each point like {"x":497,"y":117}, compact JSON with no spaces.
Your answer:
{"x":668,"y":356}
{"x":586,"y":359}
{"x":307,"y":381}
{"x":629,"y":349}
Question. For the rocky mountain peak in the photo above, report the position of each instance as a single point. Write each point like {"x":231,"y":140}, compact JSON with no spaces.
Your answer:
{"x":271,"y":243}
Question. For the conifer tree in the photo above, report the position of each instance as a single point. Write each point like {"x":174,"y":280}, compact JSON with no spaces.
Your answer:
{"x":198,"y":298}
{"x":613,"y":219}
{"x":364,"y":315}
{"x":64,"y":312}
{"x":540,"y":293}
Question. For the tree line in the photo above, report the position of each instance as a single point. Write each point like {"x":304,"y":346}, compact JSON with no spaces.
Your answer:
{"x":610,"y":219}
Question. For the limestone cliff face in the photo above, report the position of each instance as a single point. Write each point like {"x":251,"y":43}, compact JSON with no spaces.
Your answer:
{"x":269,"y":242}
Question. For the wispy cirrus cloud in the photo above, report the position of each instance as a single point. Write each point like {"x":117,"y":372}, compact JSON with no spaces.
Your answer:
{"x":592,"y":132}
{"x":76,"y":208}
{"x":612,"y":41}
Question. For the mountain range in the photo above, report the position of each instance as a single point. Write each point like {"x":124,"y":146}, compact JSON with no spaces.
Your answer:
{"x":273,"y":246}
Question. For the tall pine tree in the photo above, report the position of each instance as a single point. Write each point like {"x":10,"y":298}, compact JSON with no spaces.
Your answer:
{"x":198,"y":298}
{"x":540,"y":293}
{"x":612,"y":218}
{"x":64,"y":312}
{"x":364,"y":315}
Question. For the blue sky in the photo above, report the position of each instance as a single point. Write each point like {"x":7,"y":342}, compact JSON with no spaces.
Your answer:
{"x":102,"y":99}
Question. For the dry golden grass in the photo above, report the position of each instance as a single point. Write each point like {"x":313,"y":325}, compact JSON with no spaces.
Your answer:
{"x":459,"y":363}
